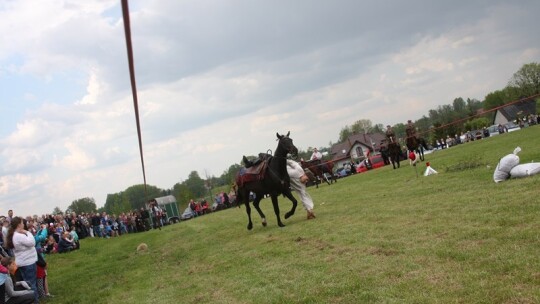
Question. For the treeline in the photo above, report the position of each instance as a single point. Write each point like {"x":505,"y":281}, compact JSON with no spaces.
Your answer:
{"x":461,"y":115}
{"x":524,"y":83}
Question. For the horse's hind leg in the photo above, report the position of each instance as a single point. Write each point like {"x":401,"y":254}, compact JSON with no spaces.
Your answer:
{"x":276,"y":209}
{"x":248,"y":211}
{"x":256,"y":205}
{"x":289,"y":195}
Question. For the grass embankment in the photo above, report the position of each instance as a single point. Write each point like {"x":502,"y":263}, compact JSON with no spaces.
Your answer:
{"x":381,"y":236}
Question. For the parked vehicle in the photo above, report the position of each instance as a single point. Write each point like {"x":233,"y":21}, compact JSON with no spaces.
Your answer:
{"x":170,"y":208}
{"x":372,"y":162}
{"x":188,"y":214}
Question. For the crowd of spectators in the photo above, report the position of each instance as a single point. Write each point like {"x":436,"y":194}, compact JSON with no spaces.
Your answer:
{"x":485,"y":132}
{"x":222,"y":201}
{"x":51,"y":234}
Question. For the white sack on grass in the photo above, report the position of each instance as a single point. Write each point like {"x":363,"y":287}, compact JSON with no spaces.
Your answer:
{"x":502,"y":171}
{"x":429,"y":171}
{"x":525,"y":170}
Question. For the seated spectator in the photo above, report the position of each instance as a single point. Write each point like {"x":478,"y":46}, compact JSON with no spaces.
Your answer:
{"x":50,"y":245}
{"x":74,"y":237}
{"x":205,"y":208}
{"x":25,"y":296}
{"x":65,"y":244}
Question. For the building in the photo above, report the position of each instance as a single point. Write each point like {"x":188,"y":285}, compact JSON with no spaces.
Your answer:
{"x":511,"y":112}
{"x":355,"y":148}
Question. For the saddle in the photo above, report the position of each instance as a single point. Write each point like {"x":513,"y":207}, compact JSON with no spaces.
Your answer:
{"x":253,"y":173}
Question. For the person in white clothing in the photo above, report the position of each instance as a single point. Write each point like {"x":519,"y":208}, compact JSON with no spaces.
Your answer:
{"x":23,"y":244}
{"x":298,"y":178}
{"x":316,"y":155}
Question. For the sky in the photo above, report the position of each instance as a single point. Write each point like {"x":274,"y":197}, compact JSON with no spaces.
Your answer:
{"x":218,"y":79}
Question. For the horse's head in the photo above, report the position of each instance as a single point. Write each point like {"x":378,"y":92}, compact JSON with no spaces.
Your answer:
{"x":286,"y":144}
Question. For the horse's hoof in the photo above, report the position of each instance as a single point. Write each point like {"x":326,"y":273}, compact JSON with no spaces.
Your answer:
{"x":250,"y":226}
{"x":264,"y":222}
{"x":281,"y":225}
{"x":288,"y":215}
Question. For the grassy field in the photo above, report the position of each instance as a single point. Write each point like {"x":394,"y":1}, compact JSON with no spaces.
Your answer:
{"x":384,"y":236}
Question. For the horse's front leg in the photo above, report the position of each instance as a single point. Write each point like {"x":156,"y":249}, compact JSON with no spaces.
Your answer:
{"x":289,"y":195}
{"x":276,"y":209}
{"x":248,"y":211}
{"x":326,"y":179}
{"x":256,"y":205}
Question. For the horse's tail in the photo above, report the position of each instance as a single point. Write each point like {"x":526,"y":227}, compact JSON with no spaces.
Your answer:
{"x":236,"y":187}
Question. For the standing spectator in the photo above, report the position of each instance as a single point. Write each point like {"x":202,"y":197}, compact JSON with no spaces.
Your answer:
{"x":146,"y":218}
{"x":156,"y":214}
{"x":226,"y":200}
{"x":96,"y":221}
{"x":5,"y":228}
{"x":10,"y":216}
{"x":23,"y":244}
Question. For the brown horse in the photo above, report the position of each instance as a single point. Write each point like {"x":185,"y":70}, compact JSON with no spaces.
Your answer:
{"x":321,"y":170}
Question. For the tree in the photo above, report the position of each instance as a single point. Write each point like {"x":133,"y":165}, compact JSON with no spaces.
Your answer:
{"x":182,"y":194}
{"x":117,"y":203}
{"x":362,"y":126}
{"x":195,"y":184}
{"x":527,"y":79}
{"x":136,"y":195}
{"x":81,"y":205}
{"x":473,"y":105}
{"x":477,"y":123}
{"x":229,"y":175}
{"x":378,"y":128}
{"x":344,"y":134}
{"x":57,"y":210}
{"x":459,"y":106}
{"x":399,"y":130}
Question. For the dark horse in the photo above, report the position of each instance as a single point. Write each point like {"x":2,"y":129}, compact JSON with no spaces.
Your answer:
{"x":273,"y":181}
{"x":319,"y":168}
{"x":417,"y":145}
{"x":394,"y":151}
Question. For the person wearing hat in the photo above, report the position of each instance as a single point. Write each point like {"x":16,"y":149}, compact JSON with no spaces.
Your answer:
{"x":410,"y":129}
{"x":390,"y":134}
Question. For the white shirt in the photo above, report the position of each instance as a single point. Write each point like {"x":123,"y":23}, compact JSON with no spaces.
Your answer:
{"x":294,"y":169}
{"x":316,"y":155}
{"x":24,"y":248}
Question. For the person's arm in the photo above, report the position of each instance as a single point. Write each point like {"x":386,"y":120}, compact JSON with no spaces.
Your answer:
{"x":11,"y":292}
{"x":24,"y":239}
{"x":41,"y":235}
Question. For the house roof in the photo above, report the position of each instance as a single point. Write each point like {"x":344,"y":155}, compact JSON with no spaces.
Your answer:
{"x":364,"y":139}
{"x":526,"y":107}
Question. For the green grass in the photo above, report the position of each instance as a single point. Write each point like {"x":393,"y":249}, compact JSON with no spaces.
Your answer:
{"x":384,"y":236}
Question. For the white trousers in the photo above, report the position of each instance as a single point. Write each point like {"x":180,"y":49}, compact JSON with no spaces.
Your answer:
{"x":300,"y":188}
